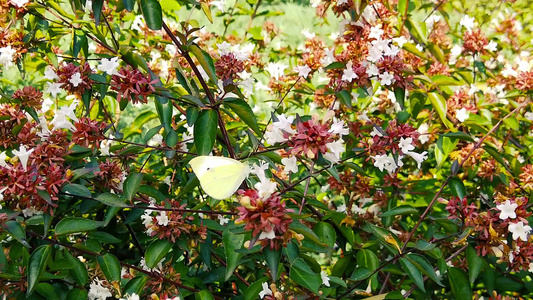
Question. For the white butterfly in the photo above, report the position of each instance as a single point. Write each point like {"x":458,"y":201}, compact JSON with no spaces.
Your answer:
{"x":220,"y":177}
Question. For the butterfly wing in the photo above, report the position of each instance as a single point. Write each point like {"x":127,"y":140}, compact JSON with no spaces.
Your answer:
{"x":219,"y":176}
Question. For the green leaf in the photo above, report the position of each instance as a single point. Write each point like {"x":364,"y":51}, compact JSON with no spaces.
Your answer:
{"x":399,"y":94}
{"x":424,"y":266}
{"x":75,"y":225}
{"x":345,"y":97}
{"x":475,"y":263}
{"x":457,"y":187}
{"x":205,"y":131}
{"x":111,"y":200}
{"x":76,"y":294}
{"x":273,"y":258}
{"x":97,"y":10}
{"x":232,"y":242}
{"x":15,"y":230}
{"x":46,"y":290}
{"x":243,"y":110}
{"x":132,"y":184}
{"x":152,"y":13}
{"x":207,"y":11}
{"x":439,"y":103}
{"x":135,"y":285}
{"x":302,"y":274}
{"x":205,"y":60}
{"x":460,"y":284}
{"x":400,"y":210}
{"x":79,"y":271}
{"x":79,"y":43}
{"x":442,"y":80}
{"x":252,"y":292}
{"x":413,"y":272}
{"x":110,"y":266}
{"x":76,"y":190}
{"x":326,"y":233}
{"x":156,"y":251}
{"x":203,"y":295}
{"x":37,"y":265}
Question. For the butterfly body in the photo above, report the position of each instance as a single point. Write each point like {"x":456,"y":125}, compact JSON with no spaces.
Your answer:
{"x":220,"y":177}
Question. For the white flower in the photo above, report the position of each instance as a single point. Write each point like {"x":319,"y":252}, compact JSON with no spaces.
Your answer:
{"x":341,"y":208}
{"x":419,"y":157}
{"x":372,"y":71}
{"x":432,"y":20}
{"x":75,"y":79}
{"x":338,"y":127}
{"x":60,"y":121}
{"x":289,"y":164}
{"x":335,"y":150}
{"x":275,"y":131}
{"x":220,"y":4}
{"x":400,"y":41}
{"x":461,"y":114}
{"x":156,"y":140}
{"x":375,"y":32}
{"x":162,"y":219}
{"x":392,"y":51}
{"x":97,"y":291}
{"x":307,"y":34}
{"x":109,"y":66}
{"x":53,"y":89}
{"x":386,"y":78}
{"x":375,"y":132}
{"x":419,"y":47}
{"x":424,"y":136}
{"x":47,"y":104}
{"x":507,"y":210}
{"x":267,"y":235}
{"x":7,"y":55}
{"x":265,"y":188}
{"x":348,"y":75}
{"x":266,"y":290}
{"x":492,"y":46}
{"x":276,"y":69}
{"x":341,"y":2}
{"x":19,"y":3}
{"x":50,"y":74}
{"x":23,"y":155}
{"x":467,"y":22}
{"x":375,"y":53}
{"x":380,"y":161}
{"x":222,"y":220}
{"x":519,"y":230}
{"x":131,"y":297}
{"x":303,"y":71}
{"x":406,"y":144}
{"x":3,"y":157}
{"x":325,"y":278}
{"x":30,"y":212}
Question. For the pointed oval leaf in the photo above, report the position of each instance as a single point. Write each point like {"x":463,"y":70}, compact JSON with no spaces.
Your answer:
{"x":457,"y":187}
{"x":37,"y":265}
{"x":425,"y":267}
{"x":135,"y":285}
{"x":273,"y":258}
{"x":132,"y":184}
{"x":232,"y":242}
{"x":111,"y":200}
{"x":243,"y":110}
{"x":156,"y":251}
{"x":460,"y":284}
{"x":15,"y":230}
{"x":439,"y":103}
{"x":152,"y":13}
{"x":413,"y":272}
{"x":110,"y":266}
{"x":75,"y":225}
{"x":475,"y":263}
{"x":205,"y":131}
{"x":326,"y":233}
{"x":205,"y":60}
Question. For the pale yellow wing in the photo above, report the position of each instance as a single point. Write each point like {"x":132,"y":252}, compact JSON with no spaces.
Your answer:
{"x":220,"y":177}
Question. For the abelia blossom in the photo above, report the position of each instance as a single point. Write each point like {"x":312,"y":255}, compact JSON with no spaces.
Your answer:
{"x":519,"y":230}
{"x":132,"y":85}
{"x":507,"y":210}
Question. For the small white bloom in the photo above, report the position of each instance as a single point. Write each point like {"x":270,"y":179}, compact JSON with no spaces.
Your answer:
{"x":507,"y":210}
{"x":50,"y":74}
{"x":424,"y":135}
{"x":400,"y":41}
{"x":109,"y":66}
{"x":53,"y":89}
{"x":348,"y":75}
{"x":339,"y":127}
{"x":419,"y":157}
{"x":7,"y":55}
{"x":19,"y":3}
{"x":156,"y":140}
{"x":372,"y":71}
{"x":47,"y":104}
{"x":97,"y":291}
{"x":75,"y":79}
{"x":432,"y":20}
{"x":267,"y":235}
{"x":325,"y":278}
{"x":222,"y":220}
{"x":266,"y":290}
{"x":275,"y":70}
{"x":375,"y":33}
{"x":519,"y":230}
{"x":3,"y":157}
{"x":492,"y":46}
{"x":307,"y":34}
{"x":386,"y":78}
{"x":461,"y":114}
{"x":341,"y":208}
{"x":289,"y":164}
{"x":406,"y":144}
{"x":23,"y":155}
{"x":162,"y":219}
{"x":467,"y":22}
{"x":220,"y":4}
{"x":303,"y":71}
